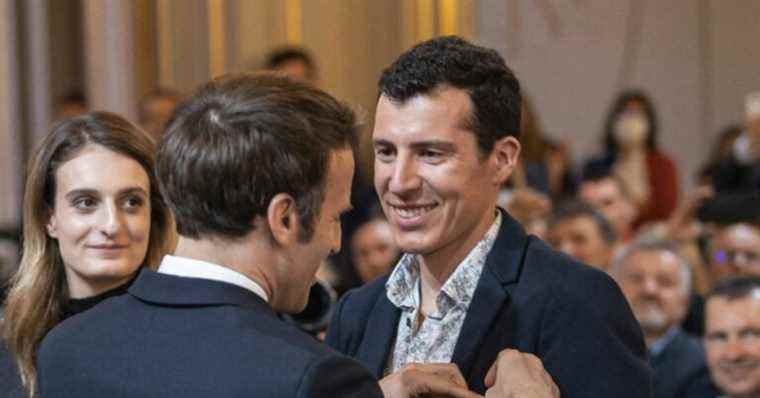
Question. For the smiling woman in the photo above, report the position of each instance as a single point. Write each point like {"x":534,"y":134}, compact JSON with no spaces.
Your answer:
{"x":93,"y":216}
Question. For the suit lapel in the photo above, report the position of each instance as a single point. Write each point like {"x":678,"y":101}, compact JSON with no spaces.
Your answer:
{"x":379,"y":335}
{"x":502,"y":268}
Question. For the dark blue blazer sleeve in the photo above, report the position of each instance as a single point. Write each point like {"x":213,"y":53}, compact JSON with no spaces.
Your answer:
{"x":337,"y":376}
{"x":585,"y":335}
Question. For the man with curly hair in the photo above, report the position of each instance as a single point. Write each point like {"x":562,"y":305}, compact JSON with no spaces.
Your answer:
{"x":472,"y":283}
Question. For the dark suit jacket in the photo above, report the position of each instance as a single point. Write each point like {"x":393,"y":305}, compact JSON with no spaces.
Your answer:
{"x":680,"y":370}
{"x":529,"y":298}
{"x":187,"y":337}
{"x":10,"y":380}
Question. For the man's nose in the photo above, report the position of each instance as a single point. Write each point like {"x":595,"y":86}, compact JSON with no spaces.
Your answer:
{"x":404,"y":177}
{"x":734,"y":350}
{"x":649,"y":286}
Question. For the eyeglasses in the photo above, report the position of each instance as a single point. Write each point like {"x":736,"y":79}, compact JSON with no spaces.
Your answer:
{"x":741,"y":258}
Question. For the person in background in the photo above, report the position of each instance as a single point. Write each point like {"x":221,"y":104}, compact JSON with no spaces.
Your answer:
{"x":577,"y":229}
{"x":544,"y":164}
{"x":740,"y":171}
{"x":632,"y":154}
{"x":93,"y":217}
{"x":529,"y":208}
{"x":656,"y":280}
{"x":73,"y":103}
{"x":373,"y":249}
{"x":732,"y":336}
{"x":735,"y":250}
{"x":607,"y":194}
{"x":155,"y":108}
{"x":721,"y":151}
{"x":294,"y":62}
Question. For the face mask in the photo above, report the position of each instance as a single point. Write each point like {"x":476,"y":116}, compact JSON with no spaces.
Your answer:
{"x":631,"y":130}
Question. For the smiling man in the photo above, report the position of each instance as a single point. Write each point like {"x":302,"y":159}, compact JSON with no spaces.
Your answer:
{"x":656,"y":280}
{"x":732,"y":336}
{"x":471,"y":282}
{"x":257,"y":170}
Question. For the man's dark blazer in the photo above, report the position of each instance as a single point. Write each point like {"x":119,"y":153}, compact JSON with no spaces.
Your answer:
{"x":680,"y":370}
{"x":187,"y":337}
{"x":529,"y":298}
{"x":10,"y":380}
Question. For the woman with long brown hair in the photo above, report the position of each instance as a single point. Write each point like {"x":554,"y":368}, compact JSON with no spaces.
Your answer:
{"x":93,"y":216}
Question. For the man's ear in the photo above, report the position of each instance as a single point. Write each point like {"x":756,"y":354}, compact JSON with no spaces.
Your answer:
{"x":505,"y":155}
{"x":52,"y":226}
{"x":282,"y":217}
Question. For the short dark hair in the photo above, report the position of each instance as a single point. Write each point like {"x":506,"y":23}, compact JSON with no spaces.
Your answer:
{"x":734,"y":288}
{"x":618,"y":107}
{"x":481,"y":72}
{"x":242,"y":139}
{"x":599,"y":174}
{"x":281,"y":55}
{"x":572,"y":209}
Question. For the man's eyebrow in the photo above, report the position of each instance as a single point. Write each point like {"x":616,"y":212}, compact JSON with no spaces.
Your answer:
{"x":442,"y":145}
{"x":715,"y":334}
{"x":447,"y":146}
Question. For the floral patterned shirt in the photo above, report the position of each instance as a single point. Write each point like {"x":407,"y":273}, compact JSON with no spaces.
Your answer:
{"x":433,"y":340}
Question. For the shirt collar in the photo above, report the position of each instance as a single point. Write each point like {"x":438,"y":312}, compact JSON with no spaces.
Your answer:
{"x":659,"y":345}
{"x":192,"y":268}
{"x":403,"y":284}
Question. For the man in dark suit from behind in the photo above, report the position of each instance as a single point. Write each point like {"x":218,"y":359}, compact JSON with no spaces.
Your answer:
{"x":257,"y":170}
{"x":656,"y":280}
{"x":471,"y":282}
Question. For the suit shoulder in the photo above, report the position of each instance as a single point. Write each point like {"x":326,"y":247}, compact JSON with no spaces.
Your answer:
{"x":72,"y":326}
{"x":689,"y":350}
{"x":72,"y":330}
{"x":357,"y":302}
{"x":563,"y":276}
{"x":352,"y":313}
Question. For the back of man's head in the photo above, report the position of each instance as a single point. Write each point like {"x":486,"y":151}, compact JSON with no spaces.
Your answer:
{"x":242,"y":139}
{"x":453,"y":62}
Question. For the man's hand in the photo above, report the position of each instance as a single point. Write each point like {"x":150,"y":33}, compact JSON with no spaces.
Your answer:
{"x":519,"y":375}
{"x":418,"y":380}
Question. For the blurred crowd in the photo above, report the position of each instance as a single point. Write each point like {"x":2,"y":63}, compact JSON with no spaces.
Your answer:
{"x":687,"y":261}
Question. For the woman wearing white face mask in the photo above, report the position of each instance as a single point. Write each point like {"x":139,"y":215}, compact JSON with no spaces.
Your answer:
{"x":631,"y":154}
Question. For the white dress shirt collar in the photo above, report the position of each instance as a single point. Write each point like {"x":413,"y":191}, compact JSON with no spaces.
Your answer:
{"x":191,"y":268}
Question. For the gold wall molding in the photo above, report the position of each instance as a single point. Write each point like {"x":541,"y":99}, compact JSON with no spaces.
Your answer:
{"x":294,"y":22}
{"x":167,"y":75}
{"x":217,"y":37}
